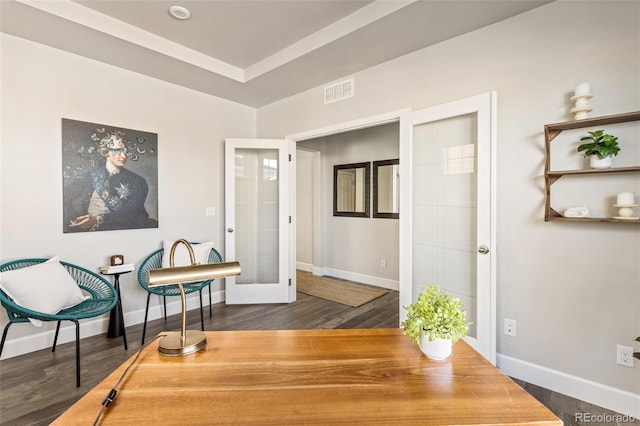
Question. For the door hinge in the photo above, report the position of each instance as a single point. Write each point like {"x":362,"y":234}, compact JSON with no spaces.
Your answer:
{"x":289,"y":282}
{"x":289,"y":157}
{"x":289,"y":219}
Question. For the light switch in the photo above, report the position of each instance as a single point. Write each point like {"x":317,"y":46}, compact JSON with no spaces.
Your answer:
{"x":210,"y":211}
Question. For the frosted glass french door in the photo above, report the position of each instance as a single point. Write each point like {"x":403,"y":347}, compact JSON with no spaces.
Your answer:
{"x":258,"y":220}
{"x":446,"y":225}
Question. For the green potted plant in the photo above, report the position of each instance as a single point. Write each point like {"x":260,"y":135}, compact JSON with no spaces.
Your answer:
{"x":435,"y":322}
{"x":600,"y":149}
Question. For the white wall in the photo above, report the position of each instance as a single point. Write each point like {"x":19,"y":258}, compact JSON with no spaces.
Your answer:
{"x":353,"y":247}
{"x":574,"y":289}
{"x":42,"y":85}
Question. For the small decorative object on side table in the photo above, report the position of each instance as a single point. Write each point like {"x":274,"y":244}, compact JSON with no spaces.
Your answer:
{"x":116,"y":317}
{"x":625,"y":201}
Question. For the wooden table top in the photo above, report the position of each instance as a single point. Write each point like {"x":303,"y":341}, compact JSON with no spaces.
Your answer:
{"x":310,"y":377}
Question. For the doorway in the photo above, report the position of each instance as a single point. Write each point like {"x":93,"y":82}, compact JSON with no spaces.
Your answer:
{"x":359,"y":249}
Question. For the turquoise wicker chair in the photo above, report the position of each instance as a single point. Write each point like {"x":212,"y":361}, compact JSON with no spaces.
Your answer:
{"x":102,"y":299}
{"x":154,"y":261}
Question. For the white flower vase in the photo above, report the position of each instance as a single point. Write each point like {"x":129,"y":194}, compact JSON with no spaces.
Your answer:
{"x":438,"y":349}
{"x":600,"y":163}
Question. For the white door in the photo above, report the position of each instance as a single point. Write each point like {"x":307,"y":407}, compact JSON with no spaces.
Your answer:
{"x":346,"y":197}
{"x":447,"y":226}
{"x":259,"y":220}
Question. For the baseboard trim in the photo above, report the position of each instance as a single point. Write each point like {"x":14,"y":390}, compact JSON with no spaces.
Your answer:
{"x":306,"y":267}
{"x":44,"y":339}
{"x":620,"y":401}
{"x":360,"y":278}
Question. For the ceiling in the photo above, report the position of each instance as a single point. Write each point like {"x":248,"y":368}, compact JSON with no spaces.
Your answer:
{"x":253,"y":52}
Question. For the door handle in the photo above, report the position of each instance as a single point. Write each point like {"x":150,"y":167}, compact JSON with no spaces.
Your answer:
{"x":483,"y":249}
{"x":229,"y":229}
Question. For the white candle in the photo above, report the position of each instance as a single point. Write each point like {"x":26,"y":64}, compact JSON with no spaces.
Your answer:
{"x":625,"y":199}
{"x":583,"y":89}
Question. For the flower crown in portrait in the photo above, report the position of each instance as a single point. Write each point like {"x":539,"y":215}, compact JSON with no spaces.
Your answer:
{"x":106,"y":139}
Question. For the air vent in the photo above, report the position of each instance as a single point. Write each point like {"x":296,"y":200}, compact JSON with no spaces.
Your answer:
{"x":338,"y":91}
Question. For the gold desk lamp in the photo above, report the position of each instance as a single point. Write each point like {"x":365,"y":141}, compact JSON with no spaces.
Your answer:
{"x":187,"y":341}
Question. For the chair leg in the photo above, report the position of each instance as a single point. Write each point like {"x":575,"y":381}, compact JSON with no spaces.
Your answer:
{"x":210,"y":309}
{"x":164,"y":300}
{"x":201,"y":311}
{"x":77,"y":353}
{"x":4,"y":336}
{"x":146,"y":314}
{"x":55,"y":338}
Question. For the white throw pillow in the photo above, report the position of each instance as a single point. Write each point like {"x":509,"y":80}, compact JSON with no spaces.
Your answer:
{"x":46,"y":287}
{"x":181,"y":256}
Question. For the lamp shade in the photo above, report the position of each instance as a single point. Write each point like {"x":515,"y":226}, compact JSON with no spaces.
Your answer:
{"x":192,"y":273}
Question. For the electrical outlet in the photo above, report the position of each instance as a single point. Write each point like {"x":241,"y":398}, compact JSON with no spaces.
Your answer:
{"x":383,"y":264}
{"x":625,"y":356}
{"x":510,"y":327}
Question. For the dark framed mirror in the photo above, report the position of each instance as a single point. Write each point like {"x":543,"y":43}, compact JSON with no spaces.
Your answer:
{"x":351,"y":189}
{"x":386,"y":189}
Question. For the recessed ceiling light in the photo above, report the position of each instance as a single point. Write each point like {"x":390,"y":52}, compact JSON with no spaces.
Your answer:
{"x":179,"y":12}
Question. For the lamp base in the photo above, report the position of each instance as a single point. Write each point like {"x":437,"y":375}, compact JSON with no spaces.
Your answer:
{"x":172,"y":344}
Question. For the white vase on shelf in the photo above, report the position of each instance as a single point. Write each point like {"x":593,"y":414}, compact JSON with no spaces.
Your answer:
{"x":600,"y":163}
{"x":581,"y":98}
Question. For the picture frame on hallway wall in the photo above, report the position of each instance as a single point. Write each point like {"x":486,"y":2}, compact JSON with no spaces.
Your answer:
{"x":109,"y":177}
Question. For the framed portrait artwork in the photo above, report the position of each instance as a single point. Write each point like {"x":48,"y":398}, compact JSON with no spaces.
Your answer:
{"x":109,"y":177}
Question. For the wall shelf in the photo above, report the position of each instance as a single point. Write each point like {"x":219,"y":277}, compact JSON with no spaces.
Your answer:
{"x":551,"y":176}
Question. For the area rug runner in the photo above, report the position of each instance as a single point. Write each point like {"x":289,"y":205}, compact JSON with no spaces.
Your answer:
{"x":345,"y":292}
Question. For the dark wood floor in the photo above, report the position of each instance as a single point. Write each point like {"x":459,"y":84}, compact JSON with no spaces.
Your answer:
{"x":37,"y":387}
